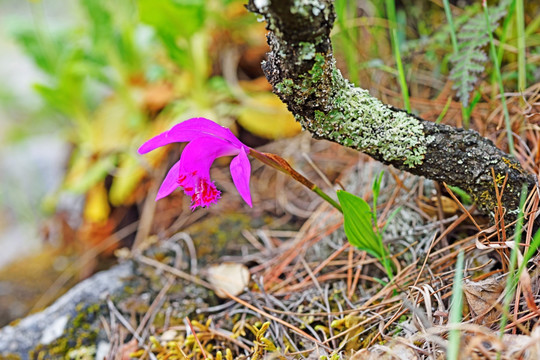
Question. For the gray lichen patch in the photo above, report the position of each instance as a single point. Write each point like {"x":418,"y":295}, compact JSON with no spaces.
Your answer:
{"x":352,"y":117}
{"x":363,"y":122}
{"x":307,"y":8}
{"x":307,"y":52}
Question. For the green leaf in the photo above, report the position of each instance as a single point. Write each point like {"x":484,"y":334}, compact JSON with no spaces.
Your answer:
{"x":126,"y":179}
{"x":376,"y":187}
{"x":173,"y":17}
{"x":358,"y":224}
{"x":85,"y":173}
{"x":392,"y":215}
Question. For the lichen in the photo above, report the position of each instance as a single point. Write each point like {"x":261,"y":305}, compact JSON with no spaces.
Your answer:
{"x":352,"y":117}
{"x":308,"y":84}
{"x":307,"y":52}
{"x":307,"y":8}
{"x":512,"y":164}
{"x":365,"y":123}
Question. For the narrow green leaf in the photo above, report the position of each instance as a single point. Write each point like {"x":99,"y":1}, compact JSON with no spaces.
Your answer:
{"x":455,"y":310}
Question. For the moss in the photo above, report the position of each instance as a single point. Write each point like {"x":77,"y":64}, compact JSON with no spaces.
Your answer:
{"x":80,"y":333}
{"x":285,"y":87}
{"x":10,"y":357}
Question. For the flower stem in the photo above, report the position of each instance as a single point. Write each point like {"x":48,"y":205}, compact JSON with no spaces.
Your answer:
{"x":278,"y":163}
{"x":327,"y":198}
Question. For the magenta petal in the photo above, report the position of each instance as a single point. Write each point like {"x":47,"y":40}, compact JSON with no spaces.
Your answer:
{"x":170,"y":183}
{"x":189,"y":130}
{"x":241,"y":172}
{"x":200,"y":153}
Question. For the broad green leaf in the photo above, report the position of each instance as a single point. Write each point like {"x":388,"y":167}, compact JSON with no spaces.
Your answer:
{"x":358,"y":224}
{"x":173,"y":17}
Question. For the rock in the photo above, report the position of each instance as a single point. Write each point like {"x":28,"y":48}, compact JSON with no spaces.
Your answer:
{"x":37,"y":331}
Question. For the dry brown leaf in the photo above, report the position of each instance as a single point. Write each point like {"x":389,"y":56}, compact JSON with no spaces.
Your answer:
{"x":481,"y":297}
{"x":429,"y":206}
{"x":157,"y":96}
{"x":127,"y":349}
{"x":231,"y":277}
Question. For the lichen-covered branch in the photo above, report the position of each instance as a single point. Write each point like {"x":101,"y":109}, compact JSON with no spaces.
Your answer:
{"x":301,"y":68}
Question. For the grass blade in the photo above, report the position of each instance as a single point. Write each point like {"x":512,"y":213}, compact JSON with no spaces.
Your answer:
{"x":455,"y":311}
{"x":496,"y":66}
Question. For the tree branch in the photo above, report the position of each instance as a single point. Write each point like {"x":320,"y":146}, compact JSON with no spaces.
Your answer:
{"x":302,"y":70}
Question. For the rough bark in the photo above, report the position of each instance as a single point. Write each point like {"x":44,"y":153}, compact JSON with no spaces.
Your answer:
{"x":302,"y":71}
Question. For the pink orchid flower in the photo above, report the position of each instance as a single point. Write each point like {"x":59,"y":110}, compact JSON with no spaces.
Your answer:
{"x":207,"y":141}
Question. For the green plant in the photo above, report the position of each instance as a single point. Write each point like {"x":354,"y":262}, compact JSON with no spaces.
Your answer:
{"x":392,"y":18}
{"x":465,"y":111}
{"x":101,"y":71}
{"x":455,"y":311}
{"x":498,"y":76}
{"x":468,"y":62}
{"x":361,"y":227}
{"x":347,"y":37}
{"x":520,"y":25}
{"x":513,"y":275}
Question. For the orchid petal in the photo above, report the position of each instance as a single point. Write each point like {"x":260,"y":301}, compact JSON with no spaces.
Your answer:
{"x":200,"y":153}
{"x":189,"y":130}
{"x":241,"y":172}
{"x":170,"y":183}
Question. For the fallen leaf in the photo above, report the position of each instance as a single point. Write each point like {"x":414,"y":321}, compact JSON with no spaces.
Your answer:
{"x":429,"y":206}
{"x":266,"y":116}
{"x":481,"y":296}
{"x":390,"y":351}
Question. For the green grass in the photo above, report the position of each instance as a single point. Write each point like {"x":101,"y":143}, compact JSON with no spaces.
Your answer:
{"x":498,"y":76}
{"x":465,"y":112}
{"x":450,"y":20}
{"x":454,"y":335}
{"x":513,"y":276}
{"x":392,"y":19}
{"x":345,"y":11}
{"x":522,"y":64}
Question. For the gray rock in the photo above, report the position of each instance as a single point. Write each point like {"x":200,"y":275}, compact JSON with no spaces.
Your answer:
{"x":46,"y":326}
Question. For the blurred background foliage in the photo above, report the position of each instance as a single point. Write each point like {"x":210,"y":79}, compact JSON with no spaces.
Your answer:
{"x":126,"y":70}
